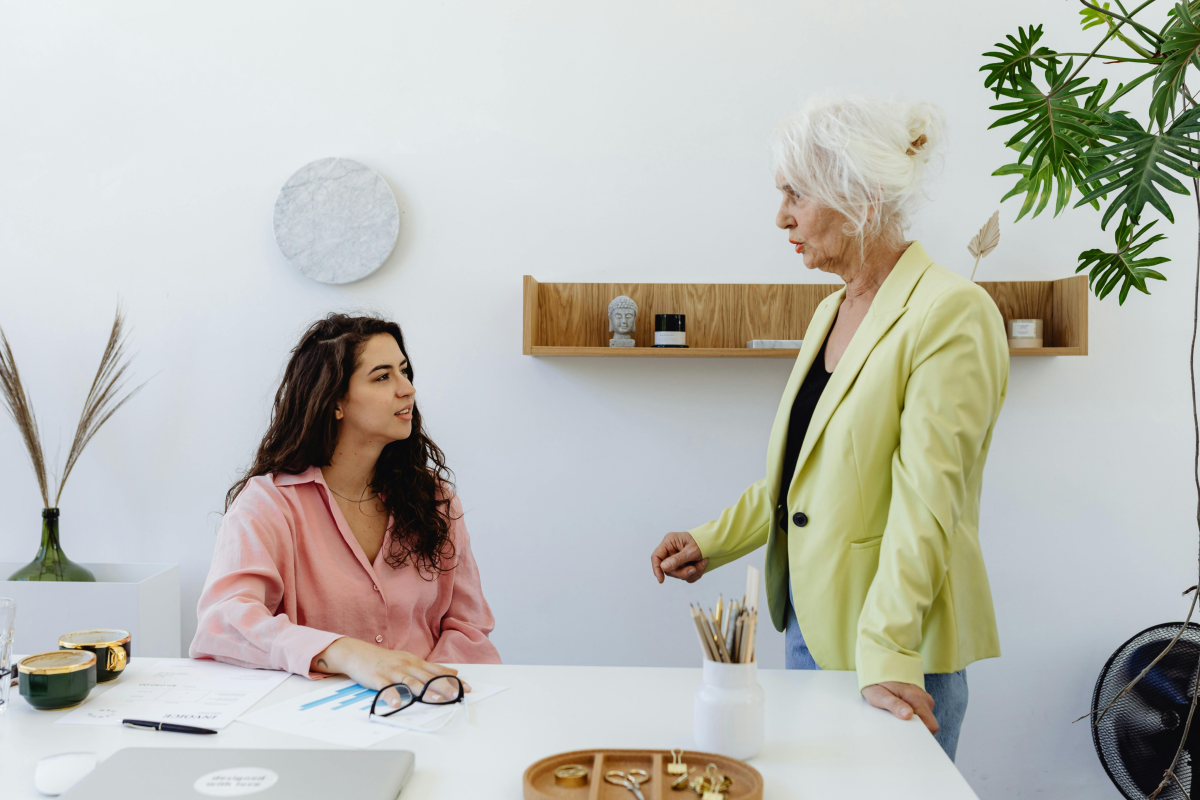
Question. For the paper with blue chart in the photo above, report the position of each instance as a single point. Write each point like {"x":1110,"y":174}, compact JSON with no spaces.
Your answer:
{"x":336,"y":712}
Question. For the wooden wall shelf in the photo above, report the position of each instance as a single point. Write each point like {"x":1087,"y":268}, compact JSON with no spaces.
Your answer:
{"x":570,"y":319}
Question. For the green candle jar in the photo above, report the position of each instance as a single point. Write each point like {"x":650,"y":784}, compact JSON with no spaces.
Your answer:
{"x":58,"y":679}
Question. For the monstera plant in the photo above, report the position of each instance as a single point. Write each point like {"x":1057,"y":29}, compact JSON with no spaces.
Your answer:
{"x":1077,"y":146}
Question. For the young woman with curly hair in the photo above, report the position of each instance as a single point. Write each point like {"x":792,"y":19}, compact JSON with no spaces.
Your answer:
{"x":343,"y":548}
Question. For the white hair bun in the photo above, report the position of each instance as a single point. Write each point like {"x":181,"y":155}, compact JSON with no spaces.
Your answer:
{"x":856,"y":154}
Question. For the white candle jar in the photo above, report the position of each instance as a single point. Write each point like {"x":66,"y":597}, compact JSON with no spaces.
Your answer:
{"x":729,"y":710}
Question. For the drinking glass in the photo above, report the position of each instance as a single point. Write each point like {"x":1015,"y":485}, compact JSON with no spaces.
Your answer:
{"x":8,"y":670}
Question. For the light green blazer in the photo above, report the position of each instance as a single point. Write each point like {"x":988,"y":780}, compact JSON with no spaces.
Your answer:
{"x":887,"y":572}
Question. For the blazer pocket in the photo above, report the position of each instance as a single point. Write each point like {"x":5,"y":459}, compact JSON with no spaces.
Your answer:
{"x":865,"y":543}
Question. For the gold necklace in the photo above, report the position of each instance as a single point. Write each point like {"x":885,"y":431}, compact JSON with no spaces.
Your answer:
{"x":349,"y":499}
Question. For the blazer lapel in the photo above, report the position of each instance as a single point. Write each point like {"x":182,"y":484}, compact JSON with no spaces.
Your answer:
{"x":887,"y":307}
{"x":818,"y":329}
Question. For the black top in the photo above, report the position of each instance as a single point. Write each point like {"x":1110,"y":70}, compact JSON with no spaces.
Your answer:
{"x":802,"y":412}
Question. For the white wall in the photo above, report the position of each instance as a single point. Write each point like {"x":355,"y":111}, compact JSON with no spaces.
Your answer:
{"x":143,"y":144}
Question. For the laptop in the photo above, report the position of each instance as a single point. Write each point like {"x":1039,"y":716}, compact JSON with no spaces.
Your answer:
{"x":255,"y":774}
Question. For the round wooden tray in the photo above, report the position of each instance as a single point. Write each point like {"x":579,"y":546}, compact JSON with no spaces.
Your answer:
{"x":540,"y":785}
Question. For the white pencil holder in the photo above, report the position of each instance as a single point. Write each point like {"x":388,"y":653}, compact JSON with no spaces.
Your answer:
{"x":729,"y":710}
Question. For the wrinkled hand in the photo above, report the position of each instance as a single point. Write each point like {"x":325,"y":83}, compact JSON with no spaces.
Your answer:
{"x":679,"y":556}
{"x":374,"y":667}
{"x":903,"y":700}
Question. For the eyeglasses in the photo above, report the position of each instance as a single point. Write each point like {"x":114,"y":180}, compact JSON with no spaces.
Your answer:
{"x":444,"y":690}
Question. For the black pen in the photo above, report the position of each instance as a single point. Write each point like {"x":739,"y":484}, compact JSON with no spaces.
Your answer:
{"x":163,"y":726}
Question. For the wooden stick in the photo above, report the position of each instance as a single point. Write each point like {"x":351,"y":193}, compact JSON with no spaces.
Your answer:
{"x":721,"y":646}
{"x":739,"y":638}
{"x":730,"y":644}
{"x":750,"y":654}
{"x":704,"y":645}
{"x":752,"y":582}
{"x":706,"y":625}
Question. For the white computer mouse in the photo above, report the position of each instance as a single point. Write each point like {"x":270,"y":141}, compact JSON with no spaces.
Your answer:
{"x":55,"y":774}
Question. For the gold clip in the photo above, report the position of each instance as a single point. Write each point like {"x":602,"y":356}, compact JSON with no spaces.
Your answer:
{"x":677,"y":767}
{"x":712,"y":785}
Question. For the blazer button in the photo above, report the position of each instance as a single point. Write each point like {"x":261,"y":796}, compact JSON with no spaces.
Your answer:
{"x":379,"y":638}
{"x":800,"y":519}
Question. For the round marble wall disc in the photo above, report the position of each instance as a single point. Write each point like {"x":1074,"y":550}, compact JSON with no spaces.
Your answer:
{"x":336,"y":220}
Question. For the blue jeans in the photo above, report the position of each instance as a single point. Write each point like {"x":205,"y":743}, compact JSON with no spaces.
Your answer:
{"x":949,"y":689}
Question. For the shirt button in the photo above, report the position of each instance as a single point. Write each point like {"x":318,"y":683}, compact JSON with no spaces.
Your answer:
{"x":379,"y":638}
{"x":800,"y":519}
{"x":373,"y":586}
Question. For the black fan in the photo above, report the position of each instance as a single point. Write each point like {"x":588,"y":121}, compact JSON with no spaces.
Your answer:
{"x":1139,"y":735}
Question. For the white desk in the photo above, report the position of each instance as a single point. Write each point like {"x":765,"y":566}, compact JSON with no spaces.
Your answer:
{"x":823,"y":740}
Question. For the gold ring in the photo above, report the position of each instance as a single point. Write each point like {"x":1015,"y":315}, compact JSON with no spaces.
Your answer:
{"x":571,"y":775}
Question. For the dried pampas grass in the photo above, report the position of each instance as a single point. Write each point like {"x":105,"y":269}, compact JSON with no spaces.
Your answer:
{"x":12,"y":393}
{"x":101,"y":403}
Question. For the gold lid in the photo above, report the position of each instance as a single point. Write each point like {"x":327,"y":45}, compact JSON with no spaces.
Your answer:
{"x":56,"y":662}
{"x":101,"y":637}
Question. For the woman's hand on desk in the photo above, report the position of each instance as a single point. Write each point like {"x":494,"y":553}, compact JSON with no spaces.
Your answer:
{"x":679,"y":556}
{"x":903,"y":700}
{"x":374,"y":667}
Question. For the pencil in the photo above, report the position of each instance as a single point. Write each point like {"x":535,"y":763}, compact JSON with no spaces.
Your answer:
{"x":706,"y":625}
{"x":731,"y":636}
{"x":709,"y":649}
{"x":713,"y":639}
{"x":700,"y":632}
{"x":721,"y":646}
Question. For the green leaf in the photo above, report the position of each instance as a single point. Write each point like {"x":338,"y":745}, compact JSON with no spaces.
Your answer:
{"x":1092,"y":17}
{"x":1056,"y":126}
{"x":1126,"y":267}
{"x":1067,"y":177}
{"x":1180,"y":48}
{"x":1142,"y":163}
{"x":1016,"y":60}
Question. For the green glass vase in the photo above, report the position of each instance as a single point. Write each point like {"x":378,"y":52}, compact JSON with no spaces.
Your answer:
{"x":52,"y":563}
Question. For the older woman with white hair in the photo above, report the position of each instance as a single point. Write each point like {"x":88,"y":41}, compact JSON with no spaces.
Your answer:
{"x":870,"y":504}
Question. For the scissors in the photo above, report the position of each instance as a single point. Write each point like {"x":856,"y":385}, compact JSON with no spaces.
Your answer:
{"x":631,"y":780}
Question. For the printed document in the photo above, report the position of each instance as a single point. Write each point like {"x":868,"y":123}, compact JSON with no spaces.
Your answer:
{"x":203,"y":694}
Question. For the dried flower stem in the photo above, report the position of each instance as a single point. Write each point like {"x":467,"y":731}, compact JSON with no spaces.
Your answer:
{"x":101,"y":404}
{"x":16,"y":403}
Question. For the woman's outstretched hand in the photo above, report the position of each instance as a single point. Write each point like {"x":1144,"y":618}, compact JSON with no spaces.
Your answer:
{"x":374,"y":667}
{"x":679,"y":556}
{"x":903,"y":700}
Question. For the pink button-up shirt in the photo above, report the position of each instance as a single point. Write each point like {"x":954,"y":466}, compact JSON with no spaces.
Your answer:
{"x":288,"y":579}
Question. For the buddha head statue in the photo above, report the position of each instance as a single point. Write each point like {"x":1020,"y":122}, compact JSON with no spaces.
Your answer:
{"x":622,"y":316}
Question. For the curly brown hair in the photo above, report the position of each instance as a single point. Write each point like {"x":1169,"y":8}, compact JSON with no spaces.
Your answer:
{"x":411,"y":477}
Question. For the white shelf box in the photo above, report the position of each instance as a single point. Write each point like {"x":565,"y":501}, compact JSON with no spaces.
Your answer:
{"x":140,"y":598}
